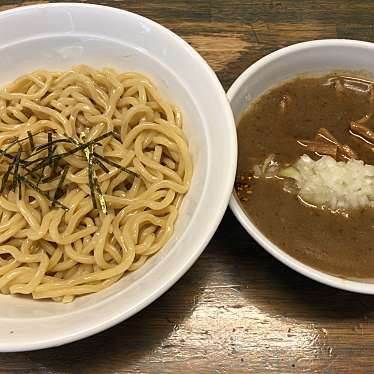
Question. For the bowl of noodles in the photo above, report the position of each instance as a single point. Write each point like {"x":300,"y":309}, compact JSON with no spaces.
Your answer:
{"x":113,"y":135}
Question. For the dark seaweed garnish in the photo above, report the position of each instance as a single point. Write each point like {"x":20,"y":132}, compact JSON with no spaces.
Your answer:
{"x":20,"y":171}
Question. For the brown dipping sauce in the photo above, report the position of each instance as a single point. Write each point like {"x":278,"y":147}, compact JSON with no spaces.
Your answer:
{"x":295,"y":110}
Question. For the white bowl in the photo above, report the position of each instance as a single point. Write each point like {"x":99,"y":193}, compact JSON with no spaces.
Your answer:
{"x":57,"y":36}
{"x":320,"y":56}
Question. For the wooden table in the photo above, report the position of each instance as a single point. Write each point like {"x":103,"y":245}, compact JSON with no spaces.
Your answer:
{"x":238,"y":310}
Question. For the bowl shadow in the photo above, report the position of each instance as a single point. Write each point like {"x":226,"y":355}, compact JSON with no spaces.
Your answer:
{"x":278,"y":290}
{"x":249,"y":276}
{"x":126,"y":344}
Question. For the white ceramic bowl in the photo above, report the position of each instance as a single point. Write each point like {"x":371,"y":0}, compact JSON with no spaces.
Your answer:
{"x":320,"y":56}
{"x":57,"y":36}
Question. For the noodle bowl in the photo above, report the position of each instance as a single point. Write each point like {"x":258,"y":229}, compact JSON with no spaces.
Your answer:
{"x":49,"y":252}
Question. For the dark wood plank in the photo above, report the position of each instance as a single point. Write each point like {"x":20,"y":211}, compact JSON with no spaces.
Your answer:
{"x":238,"y":309}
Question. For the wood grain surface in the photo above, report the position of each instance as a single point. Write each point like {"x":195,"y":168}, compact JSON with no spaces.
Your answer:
{"x":237,"y":310}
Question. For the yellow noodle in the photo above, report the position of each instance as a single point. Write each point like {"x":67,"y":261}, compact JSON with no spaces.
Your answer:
{"x":46,"y":252}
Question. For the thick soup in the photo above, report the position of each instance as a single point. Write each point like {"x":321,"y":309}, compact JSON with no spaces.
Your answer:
{"x":288,"y":122}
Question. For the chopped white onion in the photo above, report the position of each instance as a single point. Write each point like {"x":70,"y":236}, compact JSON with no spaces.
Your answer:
{"x":333,"y":184}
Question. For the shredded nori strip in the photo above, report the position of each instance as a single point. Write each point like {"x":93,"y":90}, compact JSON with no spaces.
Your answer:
{"x":49,"y":162}
{"x":19,"y":189}
{"x":98,"y":162}
{"x":101,"y":197}
{"x":40,"y":176}
{"x":55,"y":165}
{"x":37,"y":189}
{"x":118,"y":166}
{"x":90,"y":176}
{"x":31,"y":141}
{"x":76,"y":142}
{"x":46,"y":145}
{"x":117,"y":137}
{"x":39,"y":150}
{"x":16,"y":166}
{"x":10,"y":145}
{"x":6,"y":176}
{"x":49,"y":179}
{"x":52,"y":160}
{"x":80,"y":147}
{"x":59,"y":192}
{"x":50,"y":155}
{"x":49,"y":145}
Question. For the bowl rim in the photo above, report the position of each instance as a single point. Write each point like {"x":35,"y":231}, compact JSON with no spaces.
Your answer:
{"x":308,"y":271}
{"x":212,"y":224}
